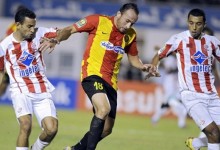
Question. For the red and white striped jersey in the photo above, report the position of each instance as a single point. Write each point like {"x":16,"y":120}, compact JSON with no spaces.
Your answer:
{"x":24,"y":63}
{"x":194,"y":60}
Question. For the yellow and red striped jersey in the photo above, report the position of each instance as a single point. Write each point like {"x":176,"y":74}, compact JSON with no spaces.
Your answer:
{"x":11,"y":29}
{"x":105,"y":47}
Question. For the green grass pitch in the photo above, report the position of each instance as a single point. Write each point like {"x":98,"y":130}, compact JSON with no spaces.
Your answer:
{"x":131,"y":132}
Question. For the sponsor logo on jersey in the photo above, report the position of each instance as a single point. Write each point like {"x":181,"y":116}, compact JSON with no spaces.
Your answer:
{"x":199,"y":57}
{"x":29,"y":71}
{"x":26,"y":58}
{"x":109,"y":46}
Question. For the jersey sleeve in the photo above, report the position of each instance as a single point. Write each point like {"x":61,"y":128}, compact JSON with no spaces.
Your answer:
{"x":132,"y":48}
{"x":1,"y":59}
{"x":47,"y":32}
{"x":130,"y":39}
{"x":87,"y":24}
{"x":170,"y":46}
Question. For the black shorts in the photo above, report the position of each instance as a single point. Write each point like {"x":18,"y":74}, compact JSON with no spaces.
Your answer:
{"x":95,"y":84}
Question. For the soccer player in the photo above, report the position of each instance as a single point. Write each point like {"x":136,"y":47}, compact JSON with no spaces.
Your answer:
{"x":29,"y":86}
{"x":201,"y":141}
{"x":110,"y":37}
{"x":195,"y":52}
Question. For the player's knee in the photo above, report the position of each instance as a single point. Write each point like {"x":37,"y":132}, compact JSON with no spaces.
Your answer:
{"x":103,"y":112}
{"x":213,"y":135}
{"x":51,"y":129}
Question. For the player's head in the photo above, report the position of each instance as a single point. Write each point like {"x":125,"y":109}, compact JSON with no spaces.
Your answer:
{"x":25,"y":20}
{"x":126,"y":17}
{"x":196,"y":22}
{"x":19,"y":7}
{"x":208,"y":31}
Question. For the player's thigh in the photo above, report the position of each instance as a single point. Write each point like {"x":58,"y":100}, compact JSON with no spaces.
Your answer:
{"x":92,"y":85}
{"x":100,"y":101}
{"x":197,"y":105}
{"x":200,"y":114}
{"x":214,"y":110}
{"x":22,"y":104}
{"x":44,"y":107}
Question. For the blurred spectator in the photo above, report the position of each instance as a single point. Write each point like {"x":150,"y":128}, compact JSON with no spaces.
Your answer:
{"x":171,"y":99}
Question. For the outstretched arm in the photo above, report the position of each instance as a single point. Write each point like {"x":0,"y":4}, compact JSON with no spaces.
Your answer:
{"x":62,"y":34}
{"x":155,"y":62}
{"x":136,"y":62}
{"x":65,"y":33}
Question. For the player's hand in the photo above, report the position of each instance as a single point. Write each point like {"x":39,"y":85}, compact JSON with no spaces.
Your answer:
{"x":149,"y":68}
{"x":152,"y":74}
{"x":46,"y":44}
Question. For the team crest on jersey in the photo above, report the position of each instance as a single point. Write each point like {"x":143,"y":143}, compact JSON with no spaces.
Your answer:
{"x":206,"y":47}
{"x":126,"y":38}
{"x":34,"y":46}
{"x":26,"y":58}
{"x":81,"y":23}
{"x":199,"y":57}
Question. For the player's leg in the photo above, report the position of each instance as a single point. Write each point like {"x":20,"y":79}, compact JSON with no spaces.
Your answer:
{"x":25,"y":123}
{"x":160,"y":112}
{"x":82,"y":144}
{"x":179,"y":110}
{"x":45,"y":112}
{"x":23,"y":110}
{"x":199,"y":107}
{"x":102,"y":108}
{"x":104,"y":100}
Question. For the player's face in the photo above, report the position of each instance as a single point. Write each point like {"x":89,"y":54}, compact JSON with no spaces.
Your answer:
{"x":126,"y":20}
{"x":195,"y":25}
{"x":27,"y":28}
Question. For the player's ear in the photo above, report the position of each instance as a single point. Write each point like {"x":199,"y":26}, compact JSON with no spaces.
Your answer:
{"x":18,"y":25}
{"x":118,"y":14}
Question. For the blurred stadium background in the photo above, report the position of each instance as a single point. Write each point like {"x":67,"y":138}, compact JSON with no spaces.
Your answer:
{"x":158,"y":20}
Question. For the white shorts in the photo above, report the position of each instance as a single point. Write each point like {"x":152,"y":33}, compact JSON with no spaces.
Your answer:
{"x":203,"y":108}
{"x":40,"y":104}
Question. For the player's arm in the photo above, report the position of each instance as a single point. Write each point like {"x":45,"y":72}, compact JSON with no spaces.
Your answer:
{"x":65,"y":33}
{"x":137,"y":63}
{"x":86,"y":24}
{"x":3,"y":85}
{"x":1,"y":76}
{"x":62,"y":34}
{"x":155,"y":62}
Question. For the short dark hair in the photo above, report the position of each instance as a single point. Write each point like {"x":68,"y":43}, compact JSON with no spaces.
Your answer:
{"x":197,"y":12}
{"x":128,"y":6}
{"x":22,"y":13}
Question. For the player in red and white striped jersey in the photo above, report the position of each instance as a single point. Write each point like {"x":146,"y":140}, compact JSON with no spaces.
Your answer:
{"x":29,"y":86}
{"x":195,"y":52}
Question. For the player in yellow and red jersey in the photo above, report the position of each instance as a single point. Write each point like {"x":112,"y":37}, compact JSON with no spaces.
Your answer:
{"x":110,"y":37}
